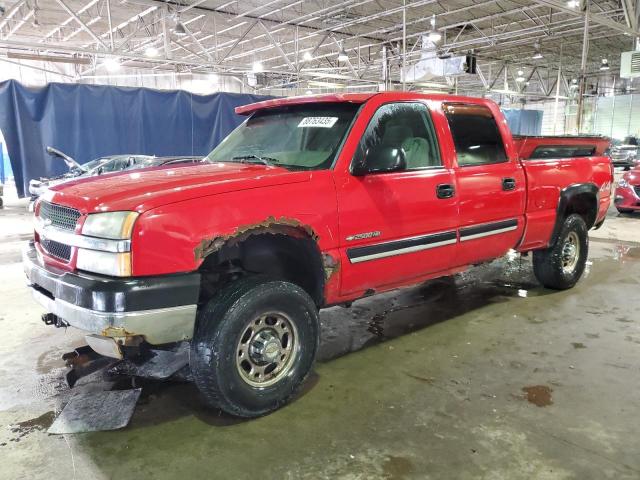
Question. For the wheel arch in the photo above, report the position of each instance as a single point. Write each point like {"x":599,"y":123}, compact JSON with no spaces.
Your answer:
{"x":579,"y":198}
{"x":278,"y":248}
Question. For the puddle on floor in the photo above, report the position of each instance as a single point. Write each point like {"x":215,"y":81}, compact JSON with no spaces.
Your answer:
{"x":22,"y":429}
{"x":539,"y":395}
{"x":396,"y":468}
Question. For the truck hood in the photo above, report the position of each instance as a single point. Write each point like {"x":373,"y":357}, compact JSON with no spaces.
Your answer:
{"x":143,"y":190}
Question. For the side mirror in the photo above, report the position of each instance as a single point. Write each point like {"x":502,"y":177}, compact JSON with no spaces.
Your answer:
{"x":381,"y":159}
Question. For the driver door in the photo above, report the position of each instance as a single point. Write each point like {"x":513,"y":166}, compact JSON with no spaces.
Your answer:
{"x":396,"y":226}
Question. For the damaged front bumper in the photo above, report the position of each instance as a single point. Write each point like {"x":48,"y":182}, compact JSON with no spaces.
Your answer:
{"x":159,"y":309}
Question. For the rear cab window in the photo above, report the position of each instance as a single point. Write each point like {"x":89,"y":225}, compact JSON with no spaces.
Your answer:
{"x":475,"y":134}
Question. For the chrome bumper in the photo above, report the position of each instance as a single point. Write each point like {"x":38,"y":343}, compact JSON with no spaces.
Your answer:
{"x":68,"y":296}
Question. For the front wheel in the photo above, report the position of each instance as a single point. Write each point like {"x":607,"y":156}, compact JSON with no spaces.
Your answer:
{"x":254,"y":345}
{"x":561,"y":265}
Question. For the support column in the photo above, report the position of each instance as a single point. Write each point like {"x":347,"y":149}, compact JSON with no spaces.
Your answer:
{"x":583,"y":67}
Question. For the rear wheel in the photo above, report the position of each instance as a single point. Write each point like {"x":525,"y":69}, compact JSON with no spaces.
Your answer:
{"x":624,"y":210}
{"x":561,"y":265}
{"x":254,"y":345}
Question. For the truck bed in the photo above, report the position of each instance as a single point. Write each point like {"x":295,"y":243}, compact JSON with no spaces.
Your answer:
{"x":560,"y":146}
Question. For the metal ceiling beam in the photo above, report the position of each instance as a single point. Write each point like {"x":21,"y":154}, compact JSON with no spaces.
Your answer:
{"x":277,"y":45}
{"x":82,"y":24}
{"x":595,"y":18}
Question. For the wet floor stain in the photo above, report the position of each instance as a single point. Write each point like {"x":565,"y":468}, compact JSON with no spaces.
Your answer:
{"x":539,"y":395}
{"x":396,"y":468}
{"x":428,"y":380}
{"x":578,"y":345}
{"x":22,"y":429}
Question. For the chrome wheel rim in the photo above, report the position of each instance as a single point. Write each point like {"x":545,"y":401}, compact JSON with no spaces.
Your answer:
{"x":267,"y":349}
{"x":570,"y":253}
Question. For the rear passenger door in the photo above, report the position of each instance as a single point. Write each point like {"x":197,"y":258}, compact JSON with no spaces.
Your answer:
{"x":396,"y":226}
{"x":491,"y":186}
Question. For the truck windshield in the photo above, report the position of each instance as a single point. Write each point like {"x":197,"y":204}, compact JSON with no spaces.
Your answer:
{"x":296,"y":137}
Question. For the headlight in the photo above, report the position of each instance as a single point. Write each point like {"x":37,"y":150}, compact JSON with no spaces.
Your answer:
{"x":106,"y":263}
{"x":623,"y":183}
{"x":112,"y":225}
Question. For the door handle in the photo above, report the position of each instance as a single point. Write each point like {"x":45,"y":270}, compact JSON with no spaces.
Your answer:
{"x":445,"y":190}
{"x":508,"y":184}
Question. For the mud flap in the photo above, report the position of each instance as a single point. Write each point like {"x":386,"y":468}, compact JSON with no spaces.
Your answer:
{"x":158,"y":364}
{"x":96,"y":411}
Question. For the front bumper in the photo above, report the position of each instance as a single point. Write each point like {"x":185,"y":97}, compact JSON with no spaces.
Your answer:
{"x":161,"y":309}
{"x":626,"y":198}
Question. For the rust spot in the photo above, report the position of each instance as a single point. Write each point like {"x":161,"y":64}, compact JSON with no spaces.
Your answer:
{"x":269,"y":225}
{"x":330,"y":264}
{"x":539,"y":395}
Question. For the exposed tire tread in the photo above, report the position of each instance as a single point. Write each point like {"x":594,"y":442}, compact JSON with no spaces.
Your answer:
{"x":208,"y":334}
{"x":547,"y":263}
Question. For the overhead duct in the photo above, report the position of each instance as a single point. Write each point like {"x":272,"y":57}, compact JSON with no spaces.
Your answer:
{"x":429,"y":66}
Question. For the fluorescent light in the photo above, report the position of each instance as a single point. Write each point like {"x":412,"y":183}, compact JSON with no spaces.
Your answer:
{"x":151,"y":52}
{"x":520,"y":79}
{"x":573,"y":3}
{"x":307,"y":56}
{"x":537,"y":56}
{"x":435,"y":36}
{"x":257,"y":67}
{"x":112,"y":64}
{"x":308,"y":92}
{"x":342,"y":56}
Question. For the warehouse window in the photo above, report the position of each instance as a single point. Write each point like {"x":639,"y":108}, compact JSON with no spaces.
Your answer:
{"x":475,"y":134}
{"x":403,"y":125}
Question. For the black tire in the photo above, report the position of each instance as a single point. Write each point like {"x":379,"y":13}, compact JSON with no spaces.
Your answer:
{"x":550,"y":265}
{"x":215,"y":357}
{"x":624,"y":210}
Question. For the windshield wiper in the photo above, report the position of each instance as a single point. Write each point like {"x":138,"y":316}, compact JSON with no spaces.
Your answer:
{"x":268,"y":161}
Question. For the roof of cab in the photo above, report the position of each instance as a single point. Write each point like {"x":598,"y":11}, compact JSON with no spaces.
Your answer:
{"x":279,"y":102}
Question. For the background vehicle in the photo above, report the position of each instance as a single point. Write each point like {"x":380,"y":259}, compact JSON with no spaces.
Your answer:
{"x":108,"y":164}
{"x":311,"y":202}
{"x":625,"y":154}
{"x":627,"y":195}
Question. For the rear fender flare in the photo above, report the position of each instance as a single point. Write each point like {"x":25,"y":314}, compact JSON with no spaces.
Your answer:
{"x":569,"y":195}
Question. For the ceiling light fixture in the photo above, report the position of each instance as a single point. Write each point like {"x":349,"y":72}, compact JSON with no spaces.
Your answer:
{"x":151,"y":52}
{"x":179,"y":30}
{"x":605,"y":65}
{"x":342,"y":54}
{"x":537,"y":55}
{"x":434,"y":35}
{"x":112,"y":64}
{"x":257,"y":67}
{"x":306,"y":56}
{"x":573,"y":3}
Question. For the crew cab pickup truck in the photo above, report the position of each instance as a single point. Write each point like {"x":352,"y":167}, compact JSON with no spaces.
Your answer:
{"x":311,"y":202}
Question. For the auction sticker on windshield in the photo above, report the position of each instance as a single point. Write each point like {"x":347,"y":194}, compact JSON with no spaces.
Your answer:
{"x":322,"y":122}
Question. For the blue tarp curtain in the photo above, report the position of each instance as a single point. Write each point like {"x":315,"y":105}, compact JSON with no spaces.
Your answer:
{"x":524,"y":122}
{"x":89,"y":121}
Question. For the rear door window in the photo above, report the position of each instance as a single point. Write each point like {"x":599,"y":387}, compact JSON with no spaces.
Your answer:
{"x":475,"y":134}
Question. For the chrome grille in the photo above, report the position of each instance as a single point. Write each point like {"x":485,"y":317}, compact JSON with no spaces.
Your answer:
{"x":59,"y":216}
{"x":56,"y":249}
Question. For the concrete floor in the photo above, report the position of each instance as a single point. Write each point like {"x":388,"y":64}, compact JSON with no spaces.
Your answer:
{"x":485,"y":375}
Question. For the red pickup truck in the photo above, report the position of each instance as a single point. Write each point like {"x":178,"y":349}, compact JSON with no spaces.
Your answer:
{"x":311,"y":202}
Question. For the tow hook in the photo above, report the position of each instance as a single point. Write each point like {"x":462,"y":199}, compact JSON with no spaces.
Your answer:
{"x":52,"y":319}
